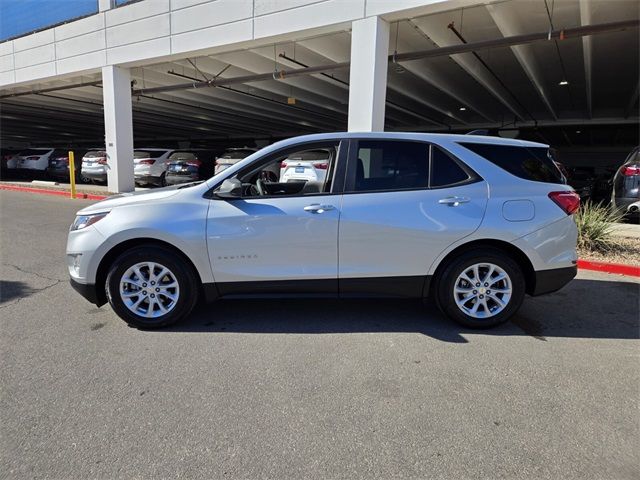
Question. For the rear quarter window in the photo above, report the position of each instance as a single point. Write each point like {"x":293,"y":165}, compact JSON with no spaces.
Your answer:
{"x":529,"y":163}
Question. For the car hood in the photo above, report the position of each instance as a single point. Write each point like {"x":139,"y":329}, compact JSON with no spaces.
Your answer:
{"x":133,"y":198}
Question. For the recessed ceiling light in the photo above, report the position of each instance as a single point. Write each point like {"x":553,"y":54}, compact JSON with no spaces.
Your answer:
{"x":578,"y":131}
{"x":563,"y":82}
{"x":462,"y":109}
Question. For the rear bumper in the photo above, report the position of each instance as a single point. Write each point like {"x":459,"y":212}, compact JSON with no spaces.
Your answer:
{"x":58,"y":172}
{"x":94,"y":175}
{"x":88,"y":291}
{"x":177,"y":179}
{"x":548,"y":281}
{"x":623,"y":203}
{"x":147,"y":179}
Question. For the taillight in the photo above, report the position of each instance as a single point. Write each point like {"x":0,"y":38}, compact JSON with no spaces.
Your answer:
{"x":630,"y":170}
{"x":102,"y":160}
{"x":63,"y":159}
{"x":148,"y":161}
{"x":567,"y":201}
{"x":321,"y":165}
{"x":194,"y":163}
{"x":283,"y":165}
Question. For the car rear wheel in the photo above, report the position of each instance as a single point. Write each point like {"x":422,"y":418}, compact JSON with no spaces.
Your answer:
{"x":150,"y":287}
{"x":481,"y":288}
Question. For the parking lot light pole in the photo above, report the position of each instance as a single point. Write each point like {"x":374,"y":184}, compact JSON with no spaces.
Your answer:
{"x":368,"y":75}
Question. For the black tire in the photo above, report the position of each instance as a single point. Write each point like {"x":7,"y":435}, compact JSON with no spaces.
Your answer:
{"x":163,"y":180}
{"x":183,"y":273}
{"x":446,"y":281}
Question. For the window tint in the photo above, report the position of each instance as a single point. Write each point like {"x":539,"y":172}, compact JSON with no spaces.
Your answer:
{"x":95,"y":154}
{"x":34,"y":151}
{"x":148,"y":153}
{"x":444,"y":170}
{"x":182,"y":156}
{"x":634,"y":157}
{"x":530,"y":163}
{"x":391,"y":165}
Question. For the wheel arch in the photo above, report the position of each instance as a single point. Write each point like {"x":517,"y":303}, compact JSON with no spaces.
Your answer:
{"x":118,"y":249}
{"x":514,"y":252}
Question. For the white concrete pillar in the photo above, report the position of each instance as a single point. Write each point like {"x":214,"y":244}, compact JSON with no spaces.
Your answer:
{"x":368,"y":75}
{"x":105,"y":5}
{"x":118,"y":128}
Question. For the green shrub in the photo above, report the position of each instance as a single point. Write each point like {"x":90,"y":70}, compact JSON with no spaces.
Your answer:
{"x":595,"y":226}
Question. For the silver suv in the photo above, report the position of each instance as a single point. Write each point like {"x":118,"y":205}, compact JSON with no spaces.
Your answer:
{"x":475,"y":222}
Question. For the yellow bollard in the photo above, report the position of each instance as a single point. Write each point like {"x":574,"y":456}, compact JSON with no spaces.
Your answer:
{"x":72,"y":174}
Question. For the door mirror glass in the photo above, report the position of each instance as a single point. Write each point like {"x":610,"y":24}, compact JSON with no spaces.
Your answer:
{"x":230,"y":188}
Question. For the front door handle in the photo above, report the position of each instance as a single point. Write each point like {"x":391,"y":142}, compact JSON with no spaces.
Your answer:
{"x":453,"y":201}
{"x":317,"y":208}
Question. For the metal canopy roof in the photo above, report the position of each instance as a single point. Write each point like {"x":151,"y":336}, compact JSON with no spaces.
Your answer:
{"x":501,"y":87}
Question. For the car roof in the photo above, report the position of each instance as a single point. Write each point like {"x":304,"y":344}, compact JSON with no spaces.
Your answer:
{"x":428,"y":137}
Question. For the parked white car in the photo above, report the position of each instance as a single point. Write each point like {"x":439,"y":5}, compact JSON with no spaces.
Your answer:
{"x":150,"y":165}
{"x":308,"y":166}
{"x":474,"y":222}
{"x":34,"y":159}
{"x":94,"y":165}
{"x":231,"y":156}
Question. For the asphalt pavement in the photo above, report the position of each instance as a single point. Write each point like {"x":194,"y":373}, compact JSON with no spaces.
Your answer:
{"x":291,"y":389}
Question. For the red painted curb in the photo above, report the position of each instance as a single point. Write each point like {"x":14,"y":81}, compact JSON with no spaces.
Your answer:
{"x":60,"y":193}
{"x":609,"y":268}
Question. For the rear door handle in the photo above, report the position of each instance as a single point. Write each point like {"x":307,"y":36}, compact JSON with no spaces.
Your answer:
{"x":453,"y":201}
{"x":317,"y":208}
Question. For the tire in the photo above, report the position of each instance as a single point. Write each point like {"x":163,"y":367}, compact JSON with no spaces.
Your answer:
{"x":163,"y":180}
{"x":138,"y":290}
{"x":494,"y":304}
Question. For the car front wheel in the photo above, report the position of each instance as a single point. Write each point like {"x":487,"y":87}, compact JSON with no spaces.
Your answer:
{"x":151,"y":287}
{"x":481,"y":288}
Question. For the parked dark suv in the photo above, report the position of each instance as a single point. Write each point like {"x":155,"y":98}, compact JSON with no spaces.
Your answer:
{"x":626,"y":185}
{"x":59,"y":165}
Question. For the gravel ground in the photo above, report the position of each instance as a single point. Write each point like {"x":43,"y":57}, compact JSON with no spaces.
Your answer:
{"x":626,"y":252}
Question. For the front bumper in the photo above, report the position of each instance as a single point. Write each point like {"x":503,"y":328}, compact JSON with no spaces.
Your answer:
{"x":88,"y":291}
{"x":548,"y":281}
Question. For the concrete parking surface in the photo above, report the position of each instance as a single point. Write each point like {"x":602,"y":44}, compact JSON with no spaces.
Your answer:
{"x":307,"y":388}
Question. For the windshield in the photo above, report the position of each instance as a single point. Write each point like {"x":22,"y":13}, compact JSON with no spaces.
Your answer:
{"x":95,"y":154}
{"x":237,"y":154}
{"x":176,"y":156}
{"x":34,"y":151}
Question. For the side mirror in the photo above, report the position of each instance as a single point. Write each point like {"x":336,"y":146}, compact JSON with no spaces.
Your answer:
{"x":231,"y":188}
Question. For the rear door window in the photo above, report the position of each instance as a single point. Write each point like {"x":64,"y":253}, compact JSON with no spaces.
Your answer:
{"x":391,"y":165}
{"x":529,"y":163}
{"x":445,"y":171}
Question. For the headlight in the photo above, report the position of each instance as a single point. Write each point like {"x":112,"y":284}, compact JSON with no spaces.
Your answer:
{"x":83,"y":221}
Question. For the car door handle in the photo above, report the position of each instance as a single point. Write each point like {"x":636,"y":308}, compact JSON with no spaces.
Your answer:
{"x":453,"y":201}
{"x":317,"y":208}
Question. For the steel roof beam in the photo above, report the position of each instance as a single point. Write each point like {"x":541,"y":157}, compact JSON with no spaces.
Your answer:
{"x":587,"y":53}
{"x":506,"y":23}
